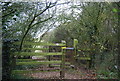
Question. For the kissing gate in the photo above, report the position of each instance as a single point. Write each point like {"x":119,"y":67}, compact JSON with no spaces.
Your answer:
{"x":38,"y":53}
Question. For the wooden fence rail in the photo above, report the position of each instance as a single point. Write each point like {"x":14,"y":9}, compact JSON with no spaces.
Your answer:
{"x":44,"y":47}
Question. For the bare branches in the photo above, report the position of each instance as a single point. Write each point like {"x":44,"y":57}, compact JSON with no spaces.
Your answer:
{"x":35,"y":16}
{"x":13,"y":11}
{"x":41,"y":21}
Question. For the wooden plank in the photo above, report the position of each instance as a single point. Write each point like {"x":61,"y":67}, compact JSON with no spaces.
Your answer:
{"x":35,"y":48}
{"x":31,"y":71}
{"x":36,"y":54}
{"x":26,"y":60}
{"x":59,"y":66}
{"x":40,"y":43}
{"x":84,"y":50}
{"x":84,"y":58}
{"x":62,"y":72}
{"x":38,"y":62}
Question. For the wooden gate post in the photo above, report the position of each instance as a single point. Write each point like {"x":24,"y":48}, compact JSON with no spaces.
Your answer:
{"x":49,"y":57}
{"x":62,"y":72}
{"x":75,"y":42}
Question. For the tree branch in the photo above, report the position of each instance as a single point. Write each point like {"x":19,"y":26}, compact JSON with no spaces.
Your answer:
{"x":8,"y":13}
{"x":29,"y":26}
{"x":41,"y":21}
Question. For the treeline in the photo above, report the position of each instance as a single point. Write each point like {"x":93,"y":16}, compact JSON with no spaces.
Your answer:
{"x":96,"y":28}
{"x":20,"y":22}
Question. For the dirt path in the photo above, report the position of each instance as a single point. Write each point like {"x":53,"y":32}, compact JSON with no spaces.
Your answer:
{"x":80,"y":73}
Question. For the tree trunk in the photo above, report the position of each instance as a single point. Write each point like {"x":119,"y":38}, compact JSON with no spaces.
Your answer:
{"x":118,"y":6}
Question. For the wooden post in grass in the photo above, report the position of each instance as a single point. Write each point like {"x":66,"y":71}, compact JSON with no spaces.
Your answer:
{"x":75,"y":47}
{"x":62,"y":67}
{"x":75,"y":42}
{"x":49,"y":57}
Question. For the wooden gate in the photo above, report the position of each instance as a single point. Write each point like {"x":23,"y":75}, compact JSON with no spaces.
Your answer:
{"x":37,"y":53}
